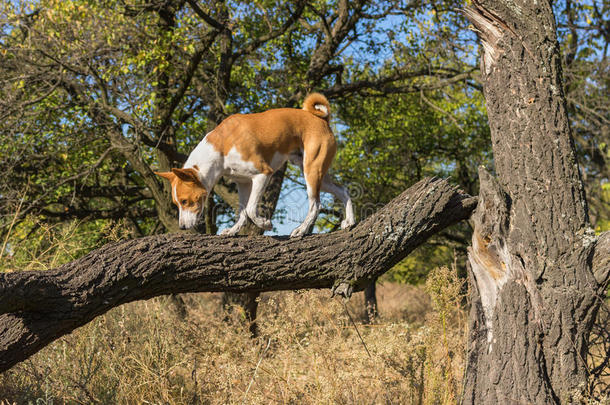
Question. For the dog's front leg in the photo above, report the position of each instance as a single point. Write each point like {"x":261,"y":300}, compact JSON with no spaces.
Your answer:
{"x":259,"y":182}
{"x":243,"y":189}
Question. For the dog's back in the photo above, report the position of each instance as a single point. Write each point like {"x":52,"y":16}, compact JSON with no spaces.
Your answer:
{"x":281,"y":130}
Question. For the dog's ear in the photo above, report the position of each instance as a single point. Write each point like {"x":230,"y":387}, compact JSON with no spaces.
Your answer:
{"x":187,"y":175}
{"x":168,"y":175}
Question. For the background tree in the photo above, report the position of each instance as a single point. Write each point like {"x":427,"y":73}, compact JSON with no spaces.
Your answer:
{"x":118,"y":88}
{"x":538,"y":271}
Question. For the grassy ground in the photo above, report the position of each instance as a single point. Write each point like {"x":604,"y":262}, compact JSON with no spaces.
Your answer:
{"x":308,"y":352}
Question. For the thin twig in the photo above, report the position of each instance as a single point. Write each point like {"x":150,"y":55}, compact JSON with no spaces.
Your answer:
{"x":355,"y":327}
{"x":437,"y":108}
{"x":255,"y":370}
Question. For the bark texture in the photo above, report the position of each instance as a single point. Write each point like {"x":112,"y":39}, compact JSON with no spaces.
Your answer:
{"x":39,"y":307}
{"x":538,"y":270}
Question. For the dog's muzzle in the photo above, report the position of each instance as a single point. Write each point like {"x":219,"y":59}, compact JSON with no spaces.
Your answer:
{"x":187,"y":219}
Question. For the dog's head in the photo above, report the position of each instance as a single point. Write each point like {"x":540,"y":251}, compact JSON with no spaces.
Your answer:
{"x":187,"y":193}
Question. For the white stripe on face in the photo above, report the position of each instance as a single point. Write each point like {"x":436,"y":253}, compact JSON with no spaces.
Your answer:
{"x":175,"y":195}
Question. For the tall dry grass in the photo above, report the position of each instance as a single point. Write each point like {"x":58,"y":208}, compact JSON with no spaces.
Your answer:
{"x":308,"y":352}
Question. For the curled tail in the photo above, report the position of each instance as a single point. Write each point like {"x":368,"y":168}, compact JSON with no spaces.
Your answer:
{"x":318,"y":105}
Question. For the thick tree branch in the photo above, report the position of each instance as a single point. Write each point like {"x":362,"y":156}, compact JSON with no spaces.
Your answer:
{"x":39,"y":307}
{"x":387,"y":84}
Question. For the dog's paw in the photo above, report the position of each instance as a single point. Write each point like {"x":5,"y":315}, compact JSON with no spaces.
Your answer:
{"x":262,"y":223}
{"x":347,"y":223}
{"x":229,"y":232}
{"x":298,"y":231}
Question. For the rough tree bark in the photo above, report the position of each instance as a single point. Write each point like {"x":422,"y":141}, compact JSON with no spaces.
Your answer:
{"x":38,"y":307}
{"x":537,"y":269}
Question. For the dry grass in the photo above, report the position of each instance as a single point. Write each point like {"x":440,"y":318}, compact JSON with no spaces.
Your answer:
{"x":308,"y":352}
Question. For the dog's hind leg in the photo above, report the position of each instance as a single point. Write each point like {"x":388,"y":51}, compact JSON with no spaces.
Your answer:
{"x":342,"y":194}
{"x":243,"y":189}
{"x":312,"y":212}
{"x":316,"y":161}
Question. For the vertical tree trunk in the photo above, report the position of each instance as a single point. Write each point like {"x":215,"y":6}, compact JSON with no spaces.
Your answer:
{"x":533,"y":291}
{"x":249,"y":301}
{"x":370,"y":302}
{"x":246,"y":302}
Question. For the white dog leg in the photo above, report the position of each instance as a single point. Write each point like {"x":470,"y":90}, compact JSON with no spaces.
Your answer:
{"x":312,"y":214}
{"x":342,"y":194}
{"x":259,"y":182}
{"x":243,"y":189}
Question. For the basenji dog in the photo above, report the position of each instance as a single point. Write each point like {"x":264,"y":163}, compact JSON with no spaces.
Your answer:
{"x":247,"y":149}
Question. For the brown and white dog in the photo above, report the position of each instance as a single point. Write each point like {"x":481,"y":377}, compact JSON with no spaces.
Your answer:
{"x":247,"y":149}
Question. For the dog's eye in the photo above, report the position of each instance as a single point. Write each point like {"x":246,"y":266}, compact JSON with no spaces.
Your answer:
{"x":184,"y":202}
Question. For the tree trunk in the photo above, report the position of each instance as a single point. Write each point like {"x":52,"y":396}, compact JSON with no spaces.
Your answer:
{"x":38,"y":307}
{"x":246,"y":302}
{"x":370,"y":302}
{"x":534,"y":290}
{"x":249,"y":301}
